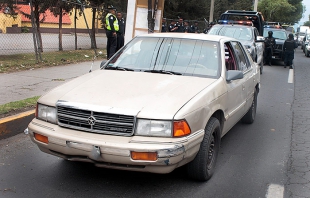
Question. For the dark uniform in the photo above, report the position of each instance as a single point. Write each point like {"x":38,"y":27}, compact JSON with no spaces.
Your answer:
{"x":111,"y":31}
{"x":180,"y":25}
{"x":163,"y":26}
{"x":270,"y":43}
{"x":187,"y":28}
{"x":121,"y":31}
{"x":288,"y":48}
{"x":172,"y":27}
{"x":195,"y":28}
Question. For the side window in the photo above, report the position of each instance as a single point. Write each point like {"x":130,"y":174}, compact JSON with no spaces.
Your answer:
{"x":242,"y":60}
{"x":230,"y":59}
{"x":256,"y":33}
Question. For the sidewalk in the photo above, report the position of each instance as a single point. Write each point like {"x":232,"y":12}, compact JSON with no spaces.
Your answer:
{"x":26,"y":84}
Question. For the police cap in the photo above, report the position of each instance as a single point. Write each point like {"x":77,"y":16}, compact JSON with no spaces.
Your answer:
{"x":110,"y":7}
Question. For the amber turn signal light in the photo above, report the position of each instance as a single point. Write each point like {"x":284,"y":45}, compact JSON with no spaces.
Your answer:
{"x":147,"y":156}
{"x":180,"y":128}
{"x":41,"y":138}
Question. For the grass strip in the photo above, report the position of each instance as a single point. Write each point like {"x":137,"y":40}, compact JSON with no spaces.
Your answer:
{"x":18,"y":105}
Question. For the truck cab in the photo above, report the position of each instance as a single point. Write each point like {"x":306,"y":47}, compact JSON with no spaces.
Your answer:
{"x":255,"y":17}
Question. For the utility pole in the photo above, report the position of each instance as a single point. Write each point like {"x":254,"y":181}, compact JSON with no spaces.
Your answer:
{"x":211,"y":11}
{"x":255,"y":5}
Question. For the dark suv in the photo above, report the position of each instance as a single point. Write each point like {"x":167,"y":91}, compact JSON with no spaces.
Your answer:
{"x":280,"y":35}
{"x":236,"y":15}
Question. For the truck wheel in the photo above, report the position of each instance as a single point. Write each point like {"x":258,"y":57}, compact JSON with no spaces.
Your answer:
{"x":249,"y":117}
{"x":202,"y":167}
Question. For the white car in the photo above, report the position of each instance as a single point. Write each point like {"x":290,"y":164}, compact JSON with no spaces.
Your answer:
{"x":163,"y":101}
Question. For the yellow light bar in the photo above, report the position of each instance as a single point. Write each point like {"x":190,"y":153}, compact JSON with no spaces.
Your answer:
{"x":147,"y":156}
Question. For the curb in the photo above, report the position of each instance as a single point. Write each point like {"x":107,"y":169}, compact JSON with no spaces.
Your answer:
{"x":15,"y":124}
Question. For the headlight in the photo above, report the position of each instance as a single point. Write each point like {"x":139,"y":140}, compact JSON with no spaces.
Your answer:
{"x":159,"y":128}
{"x":155,"y":128}
{"x":46,"y":113}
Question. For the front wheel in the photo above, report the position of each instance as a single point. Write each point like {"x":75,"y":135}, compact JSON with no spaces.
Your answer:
{"x":202,"y":167}
{"x":249,"y":117}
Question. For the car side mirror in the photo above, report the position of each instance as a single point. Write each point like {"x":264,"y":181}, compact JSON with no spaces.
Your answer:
{"x":260,"y":39}
{"x":233,"y":75}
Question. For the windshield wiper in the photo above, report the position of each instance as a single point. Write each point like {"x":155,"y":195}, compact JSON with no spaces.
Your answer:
{"x":163,"y":72}
{"x":119,"y":68}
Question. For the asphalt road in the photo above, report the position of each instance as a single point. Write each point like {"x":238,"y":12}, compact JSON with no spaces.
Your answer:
{"x":254,"y":159}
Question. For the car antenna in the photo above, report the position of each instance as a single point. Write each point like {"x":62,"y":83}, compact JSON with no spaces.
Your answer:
{"x":95,"y":56}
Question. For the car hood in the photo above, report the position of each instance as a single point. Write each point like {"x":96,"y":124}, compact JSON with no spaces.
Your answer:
{"x":147,"y":95}
{"x":246,"y":42}
{"x":280,"y":41}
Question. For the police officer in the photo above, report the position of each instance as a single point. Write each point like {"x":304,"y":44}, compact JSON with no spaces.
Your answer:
{"x":121,"y":31}
{"x":195,"y":28}
{"x":288,"y":48}
{"x":112,"y":28}
{"x":187,"y":28}
{"x":270,"y":43}
{"x":180,"y":25}
{"x":163,"y":25}
{"x":172,"y":27}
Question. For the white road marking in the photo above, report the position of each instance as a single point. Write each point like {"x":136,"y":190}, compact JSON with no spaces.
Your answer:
{"x":275,"y":191}
{"x":291,"y":76}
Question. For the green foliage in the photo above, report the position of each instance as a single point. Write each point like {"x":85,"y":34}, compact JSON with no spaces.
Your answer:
{"x":286,"y":11}
{"x":307,"y":23}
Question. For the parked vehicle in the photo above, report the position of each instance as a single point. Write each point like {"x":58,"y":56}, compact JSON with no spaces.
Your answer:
{"x":161,"y":102}
{"x":307,"y":49}
{"x":305,"y":41}
{"x":247,"y":35}
{"x":280,"y":35}
{"x":301,"y":32}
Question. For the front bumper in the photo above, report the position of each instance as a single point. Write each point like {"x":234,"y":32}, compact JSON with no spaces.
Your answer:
{"x":114,"y":151}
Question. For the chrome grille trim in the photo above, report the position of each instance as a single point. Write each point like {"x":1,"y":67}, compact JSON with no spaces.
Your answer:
{"x":105,"y":123}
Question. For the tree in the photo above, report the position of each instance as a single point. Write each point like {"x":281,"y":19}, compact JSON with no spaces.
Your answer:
{"x":60,"y":8}
{"x":281,"y":10}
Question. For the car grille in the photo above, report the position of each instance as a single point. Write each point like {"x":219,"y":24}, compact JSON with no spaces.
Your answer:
{"x":95,"y":122}
{"x":278,"y":46}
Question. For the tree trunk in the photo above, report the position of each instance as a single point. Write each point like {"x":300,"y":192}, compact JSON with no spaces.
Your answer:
{"x":60,"y":29}
{"x":75,"y":35}
{"x":93,"y":29}
{"x":37,"y":21}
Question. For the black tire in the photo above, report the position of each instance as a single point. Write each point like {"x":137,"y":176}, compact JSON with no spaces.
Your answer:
{"x":202,"y":167}
{"x":306,"y":53}
{"x":249,"y":117}
{"x":261,"y":67}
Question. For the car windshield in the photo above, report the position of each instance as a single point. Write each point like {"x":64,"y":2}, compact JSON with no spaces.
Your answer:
{"x":276,"y":34}
{"x":237,"y":32}
{"x":188,"y":57}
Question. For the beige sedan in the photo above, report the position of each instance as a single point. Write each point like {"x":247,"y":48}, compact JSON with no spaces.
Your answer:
{"x":162,"y":101}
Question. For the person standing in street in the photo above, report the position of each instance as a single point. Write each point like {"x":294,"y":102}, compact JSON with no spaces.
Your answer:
{"x":270,"y":43}
{"x":112,"y":28}
{"x":121,"y":31}
{"x":289,"y":46}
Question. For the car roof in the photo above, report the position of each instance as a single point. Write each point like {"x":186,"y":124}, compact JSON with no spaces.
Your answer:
{"x":205,"y":37}
{"x":235,"y":25}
